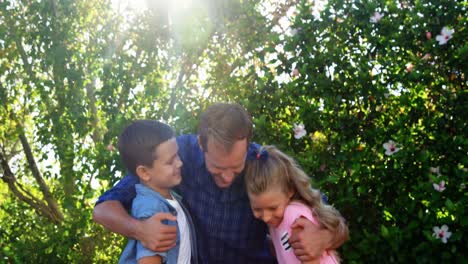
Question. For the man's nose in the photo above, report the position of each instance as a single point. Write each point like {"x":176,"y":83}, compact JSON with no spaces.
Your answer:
{"x":227,"y":175}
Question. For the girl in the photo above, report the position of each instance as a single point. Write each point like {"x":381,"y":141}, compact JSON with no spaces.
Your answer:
{"x":279,"y":193}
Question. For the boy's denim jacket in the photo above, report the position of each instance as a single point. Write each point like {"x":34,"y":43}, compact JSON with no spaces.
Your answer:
{"x":147,"y":203}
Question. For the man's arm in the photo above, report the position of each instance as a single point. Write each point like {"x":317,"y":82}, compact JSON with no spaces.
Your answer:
{"x":309,"y":241}
{"x":150,"y":232}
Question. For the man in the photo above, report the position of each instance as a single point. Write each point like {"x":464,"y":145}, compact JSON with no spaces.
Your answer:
{"x":213,"y":190}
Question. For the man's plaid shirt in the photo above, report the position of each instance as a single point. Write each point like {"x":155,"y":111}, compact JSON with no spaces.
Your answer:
{"x":226,"y":230}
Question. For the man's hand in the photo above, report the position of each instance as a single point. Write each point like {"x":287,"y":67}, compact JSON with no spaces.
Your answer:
{"x":309,"y":241}
{"x":155,"y":235}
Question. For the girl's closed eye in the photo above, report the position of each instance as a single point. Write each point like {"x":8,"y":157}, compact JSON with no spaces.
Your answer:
{"x":269,"y":205}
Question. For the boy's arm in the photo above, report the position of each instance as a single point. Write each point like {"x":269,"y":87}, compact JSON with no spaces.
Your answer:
{"x":309,"y":240}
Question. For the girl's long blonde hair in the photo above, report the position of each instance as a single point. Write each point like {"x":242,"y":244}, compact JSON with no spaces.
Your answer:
{"x":273,"y":168}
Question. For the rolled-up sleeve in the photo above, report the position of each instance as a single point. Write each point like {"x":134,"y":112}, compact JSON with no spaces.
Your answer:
{"x":123,"y":191}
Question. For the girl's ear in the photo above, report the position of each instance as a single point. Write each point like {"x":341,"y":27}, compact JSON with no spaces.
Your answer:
{"x":142,"y":173}
{"x":291,"y":193}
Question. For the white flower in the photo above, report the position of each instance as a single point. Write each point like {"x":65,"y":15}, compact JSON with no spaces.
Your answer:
{"x":293,"y":31}
{"x":445,"y":35}
{"x":428,"y":35}
{"x":426,"y":56}
{"x":299,"y":131}
{"x":110,"y":147}
{"x":295,"y":72}
{"x":376,"y":17}
{"x":435,"y":170}
{"x":318,"y":7}
{"x":409,"y":67}
{"x":439,"y":187}
{"x":390,"y":148}
{"x":442,"y":233}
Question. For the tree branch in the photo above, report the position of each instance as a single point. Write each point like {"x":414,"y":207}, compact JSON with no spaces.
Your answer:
{"x":97,"y":135}
{"x":180,"y":80}
{"x":37,"y":175}
{"x":185,"y":71}
{"x":23,"y":195}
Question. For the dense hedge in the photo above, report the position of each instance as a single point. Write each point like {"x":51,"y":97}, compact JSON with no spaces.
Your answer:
{"x":357,"y":77}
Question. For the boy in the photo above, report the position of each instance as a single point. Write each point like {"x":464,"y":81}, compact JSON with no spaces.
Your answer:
{"x":149,"y":150}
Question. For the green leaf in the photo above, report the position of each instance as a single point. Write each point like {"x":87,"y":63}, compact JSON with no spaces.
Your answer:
{"x":384,"y":231}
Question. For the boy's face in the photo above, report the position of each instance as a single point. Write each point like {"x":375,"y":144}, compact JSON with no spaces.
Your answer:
{"x":165,"y":172}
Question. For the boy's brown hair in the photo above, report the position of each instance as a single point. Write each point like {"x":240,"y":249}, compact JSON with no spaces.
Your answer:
{"x":139,"y":140}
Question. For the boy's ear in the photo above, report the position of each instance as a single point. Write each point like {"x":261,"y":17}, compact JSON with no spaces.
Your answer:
{"x":142,"y":173}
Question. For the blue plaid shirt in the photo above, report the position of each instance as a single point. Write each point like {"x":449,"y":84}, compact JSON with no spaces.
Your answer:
{"x":227,"y":231}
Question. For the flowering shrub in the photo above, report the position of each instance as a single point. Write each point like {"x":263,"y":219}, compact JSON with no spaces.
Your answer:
{"x":371,"y":72}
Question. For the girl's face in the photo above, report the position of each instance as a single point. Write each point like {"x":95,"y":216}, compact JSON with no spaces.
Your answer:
{"x":269,"y":206}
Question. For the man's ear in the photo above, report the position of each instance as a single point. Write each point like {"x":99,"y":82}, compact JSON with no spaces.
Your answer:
{"x":142,"y":173}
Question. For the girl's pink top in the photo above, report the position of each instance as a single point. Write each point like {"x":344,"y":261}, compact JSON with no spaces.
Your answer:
{"x":280,"y":235}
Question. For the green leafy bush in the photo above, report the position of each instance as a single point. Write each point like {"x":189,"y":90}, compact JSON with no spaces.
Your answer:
{"x":356,"y":82}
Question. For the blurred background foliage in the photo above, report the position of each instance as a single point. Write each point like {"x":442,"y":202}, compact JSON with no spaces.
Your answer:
{"x":356,"y":74}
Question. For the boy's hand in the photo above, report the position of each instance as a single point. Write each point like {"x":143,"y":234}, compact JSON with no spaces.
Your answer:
{"x":155,"y":235}
{"x":308,"y":240}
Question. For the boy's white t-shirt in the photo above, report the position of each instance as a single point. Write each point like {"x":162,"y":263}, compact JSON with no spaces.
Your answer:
{"x":185,"y":251}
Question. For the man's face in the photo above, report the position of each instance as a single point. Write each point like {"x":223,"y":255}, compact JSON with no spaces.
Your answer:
{"x":224,"y":165}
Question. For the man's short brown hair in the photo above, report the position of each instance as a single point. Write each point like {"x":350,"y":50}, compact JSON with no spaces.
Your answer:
{"x":225,"y":123}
